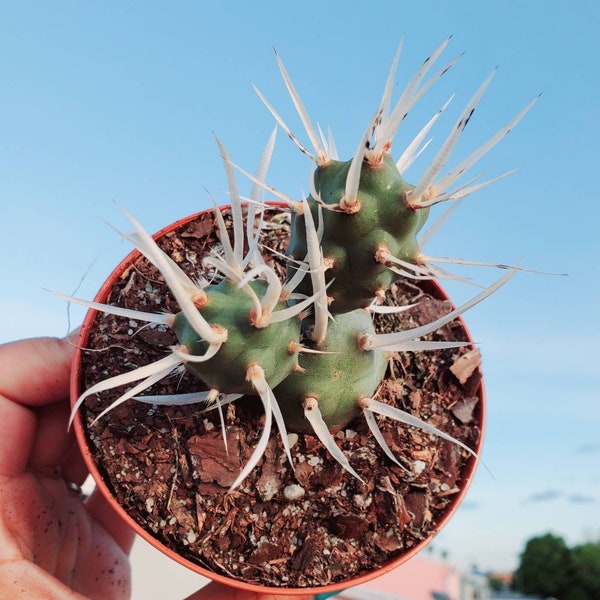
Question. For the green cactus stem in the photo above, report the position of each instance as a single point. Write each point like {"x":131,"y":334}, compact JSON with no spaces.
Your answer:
{"x":337,"y":375}
{"x":274,"y":348}
{"x":352,"y":243}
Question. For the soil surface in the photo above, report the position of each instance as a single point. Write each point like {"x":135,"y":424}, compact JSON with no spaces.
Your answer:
{"x":311,"y":526}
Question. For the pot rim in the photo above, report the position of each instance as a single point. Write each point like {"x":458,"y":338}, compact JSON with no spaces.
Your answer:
{"x":432,"y":287}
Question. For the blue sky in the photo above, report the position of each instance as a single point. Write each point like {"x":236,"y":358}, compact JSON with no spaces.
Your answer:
{"x":119,"y":101}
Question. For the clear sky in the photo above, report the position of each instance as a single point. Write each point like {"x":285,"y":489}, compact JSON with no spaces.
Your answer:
{"x":119,"y":101}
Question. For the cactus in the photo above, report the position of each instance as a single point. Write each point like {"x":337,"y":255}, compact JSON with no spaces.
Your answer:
{"x":304,"y":343}
{"x":352,"y":241}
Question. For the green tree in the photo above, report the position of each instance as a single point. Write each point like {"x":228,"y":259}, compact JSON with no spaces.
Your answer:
{"x":585,"y":572}
{"x":545,"y":567}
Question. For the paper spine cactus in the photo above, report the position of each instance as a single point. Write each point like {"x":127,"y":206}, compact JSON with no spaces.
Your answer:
{"x":305,"y":344}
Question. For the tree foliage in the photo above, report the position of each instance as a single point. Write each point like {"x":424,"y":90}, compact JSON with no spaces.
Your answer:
{"x":550,"y":569}
{"x":544,"y":567}
{"x":585,"y":564}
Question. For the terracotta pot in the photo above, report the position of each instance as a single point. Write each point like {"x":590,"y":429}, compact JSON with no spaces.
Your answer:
{"x":98,"y":471}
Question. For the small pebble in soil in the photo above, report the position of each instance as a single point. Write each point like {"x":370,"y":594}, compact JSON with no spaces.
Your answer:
{"x":418,"y":466}
{"x":293,"y":492}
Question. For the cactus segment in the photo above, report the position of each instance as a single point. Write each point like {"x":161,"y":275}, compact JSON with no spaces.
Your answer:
{"x":336,"y":377}
{"x":229,"y":309}
{"x":351,"y":241}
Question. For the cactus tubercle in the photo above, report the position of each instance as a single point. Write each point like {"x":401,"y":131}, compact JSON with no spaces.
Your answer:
{"x":231,"y":308}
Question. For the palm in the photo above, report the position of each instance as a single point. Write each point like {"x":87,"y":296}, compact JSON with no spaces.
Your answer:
{"x":63,"y":540}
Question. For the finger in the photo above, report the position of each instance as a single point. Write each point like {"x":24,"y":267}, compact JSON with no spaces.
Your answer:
{"x":100,"y":510}
{"x":18,"y":433}
{"x":52,"y":439}
{"x":36,"y":371}
{"x":73,"y":467}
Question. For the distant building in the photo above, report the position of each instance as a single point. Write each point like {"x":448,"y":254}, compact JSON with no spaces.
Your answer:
{"x":505,"y":579}
{"x":421,"y":579}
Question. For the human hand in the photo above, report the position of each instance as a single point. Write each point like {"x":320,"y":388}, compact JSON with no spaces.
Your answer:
{"x":53,"y":543}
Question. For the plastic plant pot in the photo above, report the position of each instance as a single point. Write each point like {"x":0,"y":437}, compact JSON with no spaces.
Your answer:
{"x":172,"y":464}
